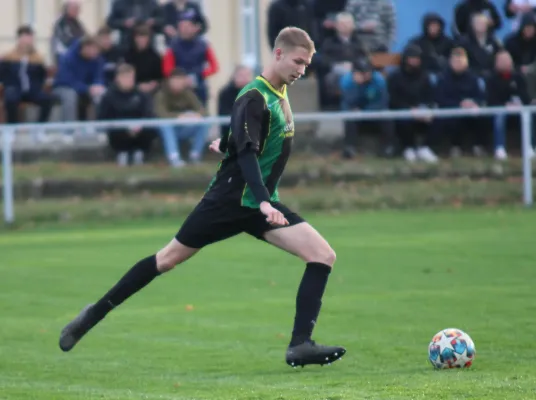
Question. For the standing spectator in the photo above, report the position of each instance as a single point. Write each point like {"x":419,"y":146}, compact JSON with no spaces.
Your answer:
{"x":410,"y":88}
{"x":325,"y":13}
{"x":481,"y":46}
{"x":176,"y":100}
{"x":283,"y":13}
{"x":516,"y":9}
{"x":434,"y":43}
{"x":112,"y":54}
{"x":23,"y":74}
{"x":124,"y":101}
{"x":128,"y":14}
{"x":194,"y":55}
{"x":522,"y":44}
{"x":145,"y":60}
{"x":80,"y":79}
{"x":506,"y":87}
{"x":67,"y":29}
{"x":339,"y":51}
{"x":466,"y":9}
{"x":364,"y":89}
{"x":458,"y":87}
{"x":177,"y":10}
{"x":242,"y":75}
{"x":375,"y":22}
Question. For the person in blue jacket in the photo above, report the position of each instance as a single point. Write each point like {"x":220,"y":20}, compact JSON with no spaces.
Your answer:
{"x":363,"y":89}
{"x":79,"y":79}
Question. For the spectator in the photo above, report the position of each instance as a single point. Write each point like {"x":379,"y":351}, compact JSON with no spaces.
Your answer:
{"x":145,"y":60}
{"x":324,"y":15}
{"x":124,"y":101}
{"x":459,"y":87}
{"x":126,"y":15}
{"x":242,"y":75}
{"x":362,"y":89}
{"x":466,"y":9}
{"x":481,"y":46}
{"x":434,"y":43}
{"x":375,"y":22}
{"x":339,"y":51}
{"x":522,"y":44}
{"x":506,"y":87}
{"x":176,"y":100}
{"x":410,"y":88}
{"x":177,"y":10}
{"x":283,"y":13}
{"x":194,"y":55}
{"x":111,"y":54}
{"x":67,"y":29}
{"x":79,"y":80}
{"x":516,"y":9}
{"x":23,"y":74}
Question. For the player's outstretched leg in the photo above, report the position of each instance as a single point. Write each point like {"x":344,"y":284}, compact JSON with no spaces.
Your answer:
{"x":139,"y":276}
{"x":305,"y":242}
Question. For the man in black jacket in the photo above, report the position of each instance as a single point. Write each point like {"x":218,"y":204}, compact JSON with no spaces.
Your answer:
{"x":522,"y":44}
{"x":125,"y":101}
{"x":410,"y":88}
{"x":506,"y":87}
{"x":466,"y":9}
{"x":434,"y":43}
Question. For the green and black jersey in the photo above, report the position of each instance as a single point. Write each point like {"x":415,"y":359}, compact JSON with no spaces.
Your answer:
{"x":262,"y":122}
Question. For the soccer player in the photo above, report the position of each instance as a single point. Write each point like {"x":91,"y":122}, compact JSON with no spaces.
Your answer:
{"x":243,"y":198}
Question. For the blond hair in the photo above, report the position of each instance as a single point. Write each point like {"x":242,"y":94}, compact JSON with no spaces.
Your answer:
{"x":291,"y":37}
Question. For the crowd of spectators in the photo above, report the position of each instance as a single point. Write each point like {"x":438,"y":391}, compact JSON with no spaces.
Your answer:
{"x":464,"y":65}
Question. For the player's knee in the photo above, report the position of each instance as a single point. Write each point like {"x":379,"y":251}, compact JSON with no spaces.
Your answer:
{"x":325,"y":255}
{"x":165,"y":261}
{"x":172,"y":255}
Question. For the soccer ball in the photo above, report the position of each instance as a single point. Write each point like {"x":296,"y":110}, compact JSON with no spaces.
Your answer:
{"x":451,"y":348}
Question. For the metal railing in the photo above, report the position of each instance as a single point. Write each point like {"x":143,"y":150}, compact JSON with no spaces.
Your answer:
{"x":525,"y":112}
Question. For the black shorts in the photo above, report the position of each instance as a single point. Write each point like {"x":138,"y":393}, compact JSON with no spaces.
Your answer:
{"x":211,"y":222}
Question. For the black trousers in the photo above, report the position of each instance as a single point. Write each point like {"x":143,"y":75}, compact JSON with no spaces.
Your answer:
{"x":13,"y":96}
{"x":122,"y":140}
{"x":472,"y":131}
{"x":412,"y":133}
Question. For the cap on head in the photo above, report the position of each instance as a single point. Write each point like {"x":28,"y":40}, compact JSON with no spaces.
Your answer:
{"x":291,"y":37}
{"x":362,"y":65}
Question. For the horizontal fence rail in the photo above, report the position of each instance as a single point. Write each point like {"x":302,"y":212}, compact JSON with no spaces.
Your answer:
{"x":525,"y":112}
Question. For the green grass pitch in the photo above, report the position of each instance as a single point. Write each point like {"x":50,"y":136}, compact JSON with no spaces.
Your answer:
{"x":217,"y":327}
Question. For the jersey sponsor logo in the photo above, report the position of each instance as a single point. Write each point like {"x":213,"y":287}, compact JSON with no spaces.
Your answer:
{"x":288,"y":131}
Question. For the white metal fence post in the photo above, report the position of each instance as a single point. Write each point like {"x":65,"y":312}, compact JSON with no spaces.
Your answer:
{"x":7,"y":168}
{"x":526,"y":139}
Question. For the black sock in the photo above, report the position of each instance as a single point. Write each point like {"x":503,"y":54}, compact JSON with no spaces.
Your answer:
{"x":140,"y":275}
{"x":309,"y":301}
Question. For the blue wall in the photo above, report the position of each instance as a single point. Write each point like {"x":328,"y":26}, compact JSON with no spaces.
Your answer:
{"x":410,"y":12}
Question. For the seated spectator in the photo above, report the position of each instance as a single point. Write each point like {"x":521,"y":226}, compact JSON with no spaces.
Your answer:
{"x":522,"y":44}
{"x":112,"y":54}
{"x":242,"y":75}
{"x":145,"y":60}
{"x":410,"y":88}
{"x":459,"y":87}
{"x":465,"y":11}
{"x":195,"y":56}
{"x":23,"y":74}
{"x":506,"y":87}
{"x":325,"y":13}
{"x":79,"y":80}
{"x":481,"y":46}
{"x":434,"y":43}
{"x":375,"y":22}
{"x":177,"y":10}
{"x":124,"y":101}
{"x":283,"y":13}
{"x":338,"y":52}
{"x":516,"y":9}
{"x":364,"y":89}
{"x":176,"y":100}
{"x":126,"y":15}
{"x":67,"y":29}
